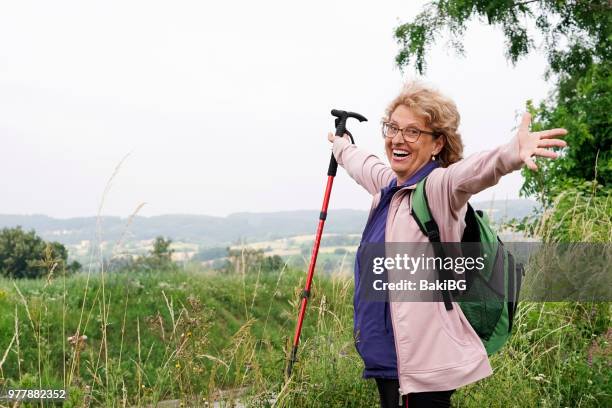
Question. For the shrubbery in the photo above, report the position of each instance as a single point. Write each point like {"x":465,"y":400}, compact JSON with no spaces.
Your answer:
{"x":26,"y":255}
{"x":159,"y":258}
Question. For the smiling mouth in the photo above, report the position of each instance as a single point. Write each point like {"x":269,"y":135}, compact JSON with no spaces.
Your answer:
{"x":400,"y":154}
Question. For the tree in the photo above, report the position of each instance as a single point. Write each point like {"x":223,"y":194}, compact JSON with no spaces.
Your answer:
{"x":159,"y":258}
{"x":575,"y":34}
{"x":208,"y":254}
{"x":161,"y":249}
{"x":577,"y":41}
{"x":272,"y":263}
{"x":587,"y":164}
{"x":26,"y":255}
{"x":243,"y":259}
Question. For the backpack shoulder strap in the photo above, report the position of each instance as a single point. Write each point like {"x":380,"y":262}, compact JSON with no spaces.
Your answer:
{"x":422,"y":213}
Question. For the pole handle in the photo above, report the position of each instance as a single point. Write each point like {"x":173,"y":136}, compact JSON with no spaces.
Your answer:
{"x":340,"y":131}
{"x":340,"y":122}
{"x":333,"y":166}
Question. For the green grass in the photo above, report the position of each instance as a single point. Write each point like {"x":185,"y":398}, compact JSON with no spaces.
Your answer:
{"x":203,"y":337}
{"x":167,"y":334}
{"x":171,"y":335}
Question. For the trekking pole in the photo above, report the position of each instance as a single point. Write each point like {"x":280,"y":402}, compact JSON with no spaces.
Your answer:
{"x":340,"y":122}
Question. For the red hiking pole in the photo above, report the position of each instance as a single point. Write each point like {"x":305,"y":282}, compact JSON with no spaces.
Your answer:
{"x":340,"y":122}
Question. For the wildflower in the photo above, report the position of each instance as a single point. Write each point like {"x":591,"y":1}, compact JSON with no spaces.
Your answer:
{"x":77,"y":340}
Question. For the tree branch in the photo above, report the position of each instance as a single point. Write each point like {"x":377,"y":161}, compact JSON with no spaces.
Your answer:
{"x":522,"y":3}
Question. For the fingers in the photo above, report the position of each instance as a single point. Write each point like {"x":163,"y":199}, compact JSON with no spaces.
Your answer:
{"x":552,"y":143}
{"x":550,"y":133}
{"x":530,"y":164}
{"x":332,"y":136}
{"x":540,"y":153}
{"x":525,"y":122}
{"x":546,"y":153}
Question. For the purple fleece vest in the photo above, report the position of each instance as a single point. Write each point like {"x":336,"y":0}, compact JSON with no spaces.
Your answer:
{"x":372,"y":320}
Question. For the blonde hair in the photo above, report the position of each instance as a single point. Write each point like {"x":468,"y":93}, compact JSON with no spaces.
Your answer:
{"x":439,"y":113}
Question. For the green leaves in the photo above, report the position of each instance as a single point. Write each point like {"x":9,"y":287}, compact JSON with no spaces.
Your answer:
{"x":583,"y":25}
{"x":25,"y":255}
{"x":414,"y":39}
{"x":584,"y":112}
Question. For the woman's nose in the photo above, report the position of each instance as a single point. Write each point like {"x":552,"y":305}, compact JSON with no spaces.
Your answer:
{"x":398,"y":138}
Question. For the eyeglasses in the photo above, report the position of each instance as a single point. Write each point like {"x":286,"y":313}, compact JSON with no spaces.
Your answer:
{"x":410,"y":134}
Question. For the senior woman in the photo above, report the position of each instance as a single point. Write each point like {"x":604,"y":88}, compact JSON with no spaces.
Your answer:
{"x":419,"y":352}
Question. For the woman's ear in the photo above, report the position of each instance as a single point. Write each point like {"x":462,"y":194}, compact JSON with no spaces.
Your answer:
{"x":439,"y":143}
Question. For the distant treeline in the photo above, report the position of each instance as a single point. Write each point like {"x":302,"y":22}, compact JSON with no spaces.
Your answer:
{"x":211,"y":253}
{"x":219,"y":231}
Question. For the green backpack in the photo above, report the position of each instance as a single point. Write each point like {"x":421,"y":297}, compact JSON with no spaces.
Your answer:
{"x":489,"y":309}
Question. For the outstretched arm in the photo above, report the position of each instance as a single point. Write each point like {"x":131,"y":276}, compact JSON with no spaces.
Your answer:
{"x":461,"y":180}
{"x":365,"y":168}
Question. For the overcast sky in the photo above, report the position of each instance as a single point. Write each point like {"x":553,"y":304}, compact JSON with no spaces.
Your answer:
{"x":222,"y":106}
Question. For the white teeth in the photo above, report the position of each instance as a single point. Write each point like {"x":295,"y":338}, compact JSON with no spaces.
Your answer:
{"x":397,"y":151}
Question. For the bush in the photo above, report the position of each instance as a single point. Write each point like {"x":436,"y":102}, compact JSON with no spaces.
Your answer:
{"x":159,"y":258}
{"x":248,"y":259}
{"x":209,"y":254}
{"x":26,"y":255}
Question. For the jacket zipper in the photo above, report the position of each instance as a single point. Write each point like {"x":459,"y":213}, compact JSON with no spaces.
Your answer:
{"x":397,"y":355}
{"x":399,"y":378}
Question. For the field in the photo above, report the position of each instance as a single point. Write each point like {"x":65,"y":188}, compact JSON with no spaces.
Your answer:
{"x":202,"y":337}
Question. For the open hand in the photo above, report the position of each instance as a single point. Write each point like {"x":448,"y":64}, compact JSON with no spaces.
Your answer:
{"x":537,"y":143}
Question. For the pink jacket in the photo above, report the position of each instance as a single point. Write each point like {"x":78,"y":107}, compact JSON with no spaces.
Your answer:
{"x":436,"y":349}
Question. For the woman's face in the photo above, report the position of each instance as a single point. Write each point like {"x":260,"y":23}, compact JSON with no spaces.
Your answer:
{"x":406,"y":158}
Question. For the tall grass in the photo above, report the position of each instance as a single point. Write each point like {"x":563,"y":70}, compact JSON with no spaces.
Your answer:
{"x":578,"y":215}
{"x":174,"y":335}
{"x":186,"y":336}
{"x":137,"y":338}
